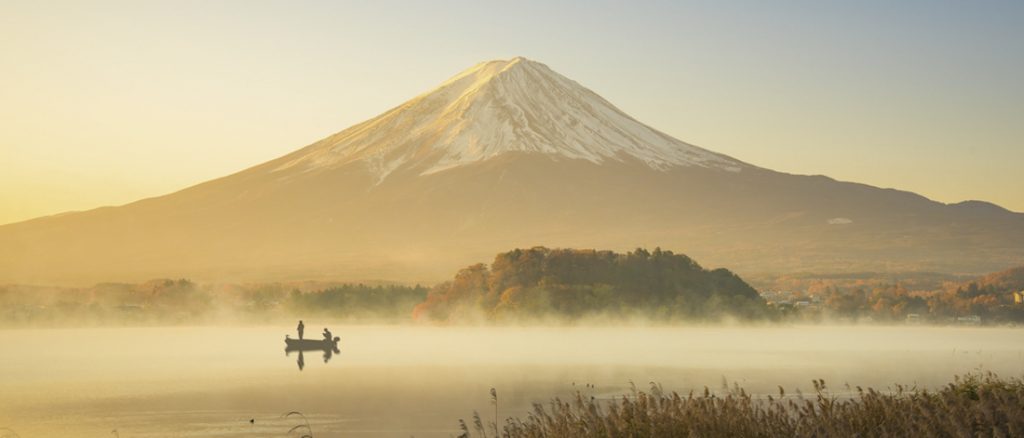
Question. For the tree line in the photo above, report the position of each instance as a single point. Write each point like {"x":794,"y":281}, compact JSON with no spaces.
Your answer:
{"x":895,"y":303}
{"x":182,"y":301}
{"x":535,"y":284}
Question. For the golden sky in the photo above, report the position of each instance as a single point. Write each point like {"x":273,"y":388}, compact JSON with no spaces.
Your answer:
{"x":109,"y":102}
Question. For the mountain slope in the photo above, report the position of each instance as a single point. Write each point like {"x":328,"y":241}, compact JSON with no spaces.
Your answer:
{"x":506,"y":154}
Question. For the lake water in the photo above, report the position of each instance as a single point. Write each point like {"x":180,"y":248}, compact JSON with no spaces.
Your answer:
{"x":416,"y":381}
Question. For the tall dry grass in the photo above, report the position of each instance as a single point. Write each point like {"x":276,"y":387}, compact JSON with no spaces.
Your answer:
{"x":303,"y":429}
{"x":971,"y":406}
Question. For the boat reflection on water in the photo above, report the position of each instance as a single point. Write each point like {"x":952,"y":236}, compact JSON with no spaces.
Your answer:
{"x":329,"y":347}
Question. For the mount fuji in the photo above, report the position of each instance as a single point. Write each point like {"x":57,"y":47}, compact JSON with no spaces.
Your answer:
{"x":505,"y":154}
{"x":495,"y":108}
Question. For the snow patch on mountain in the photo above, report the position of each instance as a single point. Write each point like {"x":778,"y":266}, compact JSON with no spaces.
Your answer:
{"x":499,"y":107}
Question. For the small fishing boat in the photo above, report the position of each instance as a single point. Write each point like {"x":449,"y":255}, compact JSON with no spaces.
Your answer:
{"x":311,"y":344}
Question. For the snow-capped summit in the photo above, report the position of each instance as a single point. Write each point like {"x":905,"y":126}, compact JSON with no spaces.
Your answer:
{"x":497,"y":107}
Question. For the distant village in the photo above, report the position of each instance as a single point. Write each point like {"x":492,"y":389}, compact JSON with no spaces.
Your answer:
{"x":815,"y":307}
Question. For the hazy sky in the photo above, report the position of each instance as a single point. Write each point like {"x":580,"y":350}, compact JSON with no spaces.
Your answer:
{"x":103,"y":103}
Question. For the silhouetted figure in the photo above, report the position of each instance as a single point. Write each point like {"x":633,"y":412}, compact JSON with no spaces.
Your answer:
{"x":328,"y":345}
{"x":301,"y":328}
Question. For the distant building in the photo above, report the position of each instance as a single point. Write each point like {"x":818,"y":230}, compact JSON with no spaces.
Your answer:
{"x":969,"y":320}
{"x":913,"y":318}
{"x":1018,"y":297}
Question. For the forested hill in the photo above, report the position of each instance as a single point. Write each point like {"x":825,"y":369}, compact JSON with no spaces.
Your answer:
{"x":541,"y":283}
{"x":1010,"y":280}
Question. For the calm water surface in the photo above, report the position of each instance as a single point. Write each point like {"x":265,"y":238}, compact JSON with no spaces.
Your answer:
{"x":415,"y":381}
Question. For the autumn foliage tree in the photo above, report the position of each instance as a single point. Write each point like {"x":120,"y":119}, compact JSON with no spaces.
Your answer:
{"x":571,"y":284}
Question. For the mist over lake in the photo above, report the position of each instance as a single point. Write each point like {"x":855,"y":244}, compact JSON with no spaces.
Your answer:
{"x":519,"y":219}
{"x":418,"y":381}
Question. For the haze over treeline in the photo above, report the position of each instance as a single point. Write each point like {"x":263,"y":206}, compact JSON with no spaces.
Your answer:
{"x":535,"y":285}
{"x":181,"y":301}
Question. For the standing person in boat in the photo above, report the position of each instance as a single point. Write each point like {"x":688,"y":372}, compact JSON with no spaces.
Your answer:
{"x":327,"y":334}
{"x":301,"y":328}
